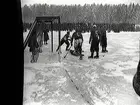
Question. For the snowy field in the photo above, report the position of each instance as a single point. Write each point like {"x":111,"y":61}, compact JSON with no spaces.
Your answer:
{"x":103,"y":81}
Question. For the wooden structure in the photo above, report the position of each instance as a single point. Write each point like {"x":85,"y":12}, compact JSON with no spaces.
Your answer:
{"x":46,"y":19}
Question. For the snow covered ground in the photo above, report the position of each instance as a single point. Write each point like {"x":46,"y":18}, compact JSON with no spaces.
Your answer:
{"x":103,"y":81}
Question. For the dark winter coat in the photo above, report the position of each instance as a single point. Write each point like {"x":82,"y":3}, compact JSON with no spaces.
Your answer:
{"x":136,"y":80}
{"x":94,"y":41}
{"x":33,"y":43}
{"x":103,"y":38}
{"x":46,"y":36}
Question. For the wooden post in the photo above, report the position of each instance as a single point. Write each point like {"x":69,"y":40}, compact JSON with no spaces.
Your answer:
{"x":59,"y":38}
{"x":51,"y":36}
{"x":29,"y":34}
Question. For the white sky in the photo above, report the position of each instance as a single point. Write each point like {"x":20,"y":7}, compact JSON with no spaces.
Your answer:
{"x":82,"y":2}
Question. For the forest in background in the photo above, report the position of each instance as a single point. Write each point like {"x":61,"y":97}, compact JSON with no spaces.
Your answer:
{"x":86,"y":14}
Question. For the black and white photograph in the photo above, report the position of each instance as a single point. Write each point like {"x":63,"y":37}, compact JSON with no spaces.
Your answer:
{"x":81,"y":52}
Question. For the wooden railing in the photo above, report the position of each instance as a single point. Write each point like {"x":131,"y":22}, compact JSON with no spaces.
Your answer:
{"x":29,"y":34}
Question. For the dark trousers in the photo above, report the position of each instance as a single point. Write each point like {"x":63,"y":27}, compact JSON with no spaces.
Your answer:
{"x":35,"y":55}
{"x":104,"y":44}
{"x":94,"y":48}
{"x":46,"y":38}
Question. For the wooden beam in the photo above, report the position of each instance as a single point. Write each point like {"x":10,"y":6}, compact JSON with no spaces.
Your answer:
{"x":51,"y":37}
{"x":59,"y":38}
{"x":50,"y":18}
{"x":29,"y":34}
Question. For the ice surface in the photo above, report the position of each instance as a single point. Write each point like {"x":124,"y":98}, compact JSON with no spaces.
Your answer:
{"x":103,"y":81}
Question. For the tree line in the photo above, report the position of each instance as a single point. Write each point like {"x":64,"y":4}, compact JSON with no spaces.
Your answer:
{"x":87,"y":14}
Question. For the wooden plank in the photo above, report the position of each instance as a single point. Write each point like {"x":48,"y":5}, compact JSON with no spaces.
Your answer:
{"x":59,"y":39}
{"x":51,"y":36}
{"x":49,"y":18}
{"x":29,"y":34}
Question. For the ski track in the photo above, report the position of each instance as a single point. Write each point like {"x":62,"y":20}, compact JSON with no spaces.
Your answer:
{"x":103,"y":81}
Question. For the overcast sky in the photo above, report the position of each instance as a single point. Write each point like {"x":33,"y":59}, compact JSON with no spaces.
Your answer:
{"x":82,"y":2}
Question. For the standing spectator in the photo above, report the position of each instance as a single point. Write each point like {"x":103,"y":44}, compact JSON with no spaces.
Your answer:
{"x":33,"y":47}
{"x":94,"y":41}
{"x":46,"y":36}
{"x":40,"y":36}
{"x":103,"y":40}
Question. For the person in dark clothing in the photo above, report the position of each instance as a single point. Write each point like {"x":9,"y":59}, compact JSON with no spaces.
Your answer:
{"x":46,"y":36}
{"x":136,"y":80}
{"x":78,"y":41}
{"x":66,"y":39}
{"x":39,"y":36}
{"x":94,"y":41}
{"x":33,"y":47}
{"x":103,"y":40}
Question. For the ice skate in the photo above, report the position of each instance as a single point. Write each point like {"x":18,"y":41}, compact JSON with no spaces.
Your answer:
{"x":106,"y":50}
{"x":96,"y":57}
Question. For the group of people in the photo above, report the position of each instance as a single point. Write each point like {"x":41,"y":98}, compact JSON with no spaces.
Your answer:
{"x":96,"y":37}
